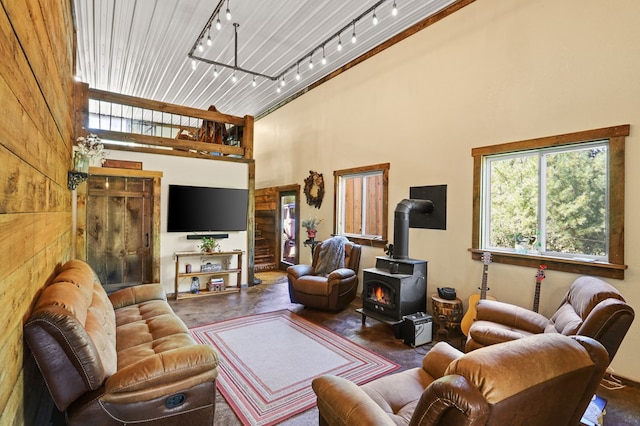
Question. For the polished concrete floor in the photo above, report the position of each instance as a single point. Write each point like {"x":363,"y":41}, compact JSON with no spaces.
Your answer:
{"x":623,"y":406}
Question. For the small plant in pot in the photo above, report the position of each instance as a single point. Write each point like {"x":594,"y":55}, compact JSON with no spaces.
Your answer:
{"x":312,"y":226}
{"x":209,"y":245}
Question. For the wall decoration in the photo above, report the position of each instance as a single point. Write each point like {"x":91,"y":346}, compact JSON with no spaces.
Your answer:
{"x":314,"y":189}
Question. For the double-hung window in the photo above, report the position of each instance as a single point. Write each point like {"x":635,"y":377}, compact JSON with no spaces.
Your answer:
{"x":556,"y":200}
{"x":361,"y":203}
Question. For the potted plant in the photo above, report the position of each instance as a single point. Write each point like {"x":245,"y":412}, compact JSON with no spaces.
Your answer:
{"x":209,"y":245}
{"x":312,"y":226}
{"x":88,"y":150}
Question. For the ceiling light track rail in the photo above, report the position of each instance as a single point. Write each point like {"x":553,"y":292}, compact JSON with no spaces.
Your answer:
{"x":296,"y":64}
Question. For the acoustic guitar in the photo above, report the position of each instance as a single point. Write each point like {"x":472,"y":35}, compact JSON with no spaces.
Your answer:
{"x":470,"y":316}
{"x":539,"y":278}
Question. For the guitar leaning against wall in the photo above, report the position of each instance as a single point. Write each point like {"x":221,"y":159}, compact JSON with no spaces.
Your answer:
{"x":539,"y":278}
{"x":470,"y":316}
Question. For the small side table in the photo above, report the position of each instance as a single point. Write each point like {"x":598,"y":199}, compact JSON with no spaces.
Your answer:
{"x":447,"y":315}
{"x":311,"y":242}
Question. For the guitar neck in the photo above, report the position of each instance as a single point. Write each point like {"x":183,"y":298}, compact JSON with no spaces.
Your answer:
{"x":483,"y":289}
{"x":536,"y":297}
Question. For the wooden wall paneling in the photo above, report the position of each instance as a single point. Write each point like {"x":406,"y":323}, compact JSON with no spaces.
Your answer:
{"x":54,"y":79}
{"x":35,"y":153}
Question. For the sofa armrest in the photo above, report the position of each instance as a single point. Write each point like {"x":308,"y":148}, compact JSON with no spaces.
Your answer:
{"x":451,"y":400}
{"x":162,"y":374}
{"x":340,"y":274}
{"x":436,"y":361}
{"x":341,"y":402}
{"x":137,"y":294}
{"x":511,"y":316}
{"x":298,"y":271}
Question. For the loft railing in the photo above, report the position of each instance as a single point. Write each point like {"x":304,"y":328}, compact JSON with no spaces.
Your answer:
{"x":127,"y":123}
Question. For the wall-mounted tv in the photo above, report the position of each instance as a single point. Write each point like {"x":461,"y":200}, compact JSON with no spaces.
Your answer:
{"x":206,"y":209}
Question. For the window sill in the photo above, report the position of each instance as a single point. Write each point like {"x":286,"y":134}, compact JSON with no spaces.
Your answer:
{"x":370,"y":242}
{"x":599,"y":269}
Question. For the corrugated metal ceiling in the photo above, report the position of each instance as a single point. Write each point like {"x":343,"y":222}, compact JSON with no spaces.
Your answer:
{"x":140,"y":47}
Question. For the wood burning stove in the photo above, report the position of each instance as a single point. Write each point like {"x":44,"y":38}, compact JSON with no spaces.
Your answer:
{"x":397,"y":286}
{"x":393,"y":289}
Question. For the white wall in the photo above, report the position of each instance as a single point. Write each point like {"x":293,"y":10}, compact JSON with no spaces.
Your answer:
{"x":494,"y":72}
{"x":196,"y":172}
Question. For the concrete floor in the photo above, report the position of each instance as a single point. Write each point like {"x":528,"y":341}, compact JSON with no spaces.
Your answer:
{"x":623,"y":406}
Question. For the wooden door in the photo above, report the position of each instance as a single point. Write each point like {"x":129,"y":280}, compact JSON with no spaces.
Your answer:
{"x":119,"y":229}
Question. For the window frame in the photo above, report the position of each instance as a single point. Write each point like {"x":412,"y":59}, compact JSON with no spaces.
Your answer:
{"x":614,"y":267}
{"x":365,"y":170}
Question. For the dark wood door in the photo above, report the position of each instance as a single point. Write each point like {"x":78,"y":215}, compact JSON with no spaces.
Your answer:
{"x":119,"y":230}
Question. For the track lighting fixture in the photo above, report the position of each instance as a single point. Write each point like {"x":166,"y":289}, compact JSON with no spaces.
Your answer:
{"x":279,"y":79}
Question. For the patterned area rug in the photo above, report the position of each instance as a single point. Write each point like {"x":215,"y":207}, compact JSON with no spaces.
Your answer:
{"x":267,"y":363}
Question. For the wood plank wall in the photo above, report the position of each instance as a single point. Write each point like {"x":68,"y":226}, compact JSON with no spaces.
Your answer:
{"x":37,"y":47}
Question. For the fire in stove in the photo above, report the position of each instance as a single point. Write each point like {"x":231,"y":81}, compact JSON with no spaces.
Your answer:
{"x":380,"y":295}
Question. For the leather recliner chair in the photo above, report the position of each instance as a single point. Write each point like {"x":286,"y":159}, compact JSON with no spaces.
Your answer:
{"x":591,"y":307}
{"x":547,"y":379}
{"x":333,"y":292}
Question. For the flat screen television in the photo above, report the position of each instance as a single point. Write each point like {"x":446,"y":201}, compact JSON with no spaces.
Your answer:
{"x":206,"y":209}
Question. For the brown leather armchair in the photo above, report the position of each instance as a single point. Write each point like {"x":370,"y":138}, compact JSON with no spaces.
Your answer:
{"x":547,"y":379}
{"x":591,"y":307}
{"x":333,"y":292}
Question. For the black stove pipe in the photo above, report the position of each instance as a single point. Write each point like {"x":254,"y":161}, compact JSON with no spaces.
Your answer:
{"x":401,"y":224}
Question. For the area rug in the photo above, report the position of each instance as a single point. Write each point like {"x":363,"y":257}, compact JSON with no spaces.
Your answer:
{"x":267,"y":363}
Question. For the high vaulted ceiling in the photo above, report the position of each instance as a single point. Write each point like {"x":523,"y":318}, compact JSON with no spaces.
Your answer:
{"x":141,"y":47}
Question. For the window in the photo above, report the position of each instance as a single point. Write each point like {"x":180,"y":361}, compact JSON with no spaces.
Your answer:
{"x":362,"y":203}
{"x":556,"y":200}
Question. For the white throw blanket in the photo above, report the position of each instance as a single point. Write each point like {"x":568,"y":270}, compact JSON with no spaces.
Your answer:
{"x":331,"y":256}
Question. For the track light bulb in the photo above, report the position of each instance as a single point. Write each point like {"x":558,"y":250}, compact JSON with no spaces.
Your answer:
{"x":339,"y":43}
{"x":394,"y":10}
{"x":193,"y":64}
{"x":234,"y":78}
{"x":375,"y":18}
{"x":228,"y":12}
{"x":282,"y":82}
{"x":253,"y":83}
{"x":278,"y":89}
{"x":324,"y":59}
{"x":218,"y":24}
{"x":298,"y":72}
{"x":310,"y":63}
{"x":209,"y":42}
{"x":215,"y":72}
{"x":200,"y":47}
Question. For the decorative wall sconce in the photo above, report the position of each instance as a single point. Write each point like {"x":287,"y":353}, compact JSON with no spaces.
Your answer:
{"x":75,"y":178}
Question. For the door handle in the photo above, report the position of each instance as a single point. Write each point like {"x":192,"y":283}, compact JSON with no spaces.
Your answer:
{"x":146,"y":238}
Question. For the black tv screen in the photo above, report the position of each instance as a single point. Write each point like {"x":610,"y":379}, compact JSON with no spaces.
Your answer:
{"x":205,"y":209}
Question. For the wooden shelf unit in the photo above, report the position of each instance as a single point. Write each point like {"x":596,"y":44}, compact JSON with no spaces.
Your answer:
{"x":233,"y":269}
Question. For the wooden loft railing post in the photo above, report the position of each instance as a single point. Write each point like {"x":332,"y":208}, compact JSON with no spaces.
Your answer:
{"x":81,"y":109}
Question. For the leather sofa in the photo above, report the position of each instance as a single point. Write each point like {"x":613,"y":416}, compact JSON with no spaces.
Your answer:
{"x":591,"y":307}
{"x":546,"y":379}
{"x":333,"y":292}
{"x":125,"y":358}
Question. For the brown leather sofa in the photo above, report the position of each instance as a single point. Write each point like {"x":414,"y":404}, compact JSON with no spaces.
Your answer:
{"x":591,"y":307}
{"x":333,"y":292}
{"x":547,"y":379}
{"x":120,"y":359}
